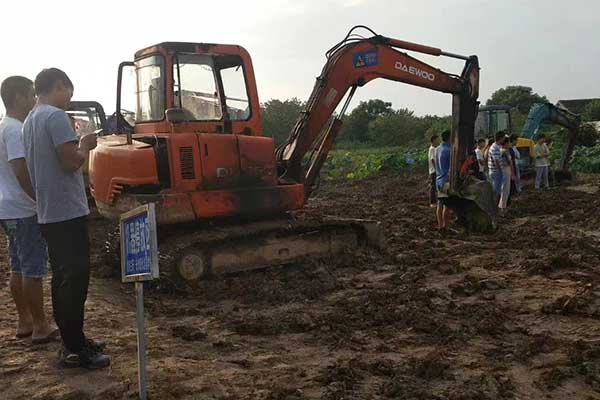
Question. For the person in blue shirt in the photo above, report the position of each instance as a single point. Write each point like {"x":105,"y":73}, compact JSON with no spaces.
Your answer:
{"x":442,"y":171}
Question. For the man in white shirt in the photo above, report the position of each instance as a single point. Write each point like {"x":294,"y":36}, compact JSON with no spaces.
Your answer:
{"x":26,"y":247}
{"x":435,"y":142}
{"x":542,"y":162}
{"x":494,"y":164}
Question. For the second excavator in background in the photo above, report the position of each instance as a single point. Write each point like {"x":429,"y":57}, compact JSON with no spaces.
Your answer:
{"x":546,"y":112}
{"x":223,"y":192}
{"x":495,"y":118}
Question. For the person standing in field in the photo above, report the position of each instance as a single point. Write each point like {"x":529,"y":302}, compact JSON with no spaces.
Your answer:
{"x":516,"y":156}
{"x":54,"y":158}
{"x":551,"y":176}
{"x":507,"y":174}
{"x":435,"y":142}
{"x":494,"y":166}
{"x":442,"y":168}
{"x":541,"y":154}
{"x":26,"y":247}
{"x":481,"y":144}
{"x":480,"y":156}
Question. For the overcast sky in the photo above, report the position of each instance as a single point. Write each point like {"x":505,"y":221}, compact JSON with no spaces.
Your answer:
{"x":551,"y":46}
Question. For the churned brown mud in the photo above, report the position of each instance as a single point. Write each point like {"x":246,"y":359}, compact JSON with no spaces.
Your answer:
{"x":513,"y":315}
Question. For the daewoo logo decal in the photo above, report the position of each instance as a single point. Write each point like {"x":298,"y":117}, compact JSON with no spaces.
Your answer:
{"x":414,"y":71}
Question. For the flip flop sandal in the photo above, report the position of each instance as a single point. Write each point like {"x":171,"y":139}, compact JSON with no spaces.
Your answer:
{"x":51,"y":337}
{"x":23,"y":335}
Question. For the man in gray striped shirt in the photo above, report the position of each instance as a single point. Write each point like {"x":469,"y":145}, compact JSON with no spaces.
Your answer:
{"x":494,"y":164}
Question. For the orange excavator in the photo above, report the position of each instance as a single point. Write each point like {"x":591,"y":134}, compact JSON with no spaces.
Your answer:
{"x":222,"y":191}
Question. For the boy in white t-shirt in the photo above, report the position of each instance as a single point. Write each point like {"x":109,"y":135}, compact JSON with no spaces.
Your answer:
{"x":26,"y":248}
{"x":435,"y":142}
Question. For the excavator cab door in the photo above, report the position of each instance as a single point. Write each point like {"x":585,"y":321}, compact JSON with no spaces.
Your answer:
{"x":87,"y":117}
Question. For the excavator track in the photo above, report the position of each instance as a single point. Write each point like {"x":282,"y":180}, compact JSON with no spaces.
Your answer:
{"x":188,"y":254}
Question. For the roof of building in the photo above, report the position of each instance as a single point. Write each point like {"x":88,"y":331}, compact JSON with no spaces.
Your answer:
{"x":576,"y":106}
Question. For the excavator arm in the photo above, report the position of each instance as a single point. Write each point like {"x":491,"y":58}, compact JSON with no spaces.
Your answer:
{"x":547,"y":112}
{"x":354,"y":62}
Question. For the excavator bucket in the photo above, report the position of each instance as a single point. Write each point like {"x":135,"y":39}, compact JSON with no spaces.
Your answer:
{"x":475,"y":205}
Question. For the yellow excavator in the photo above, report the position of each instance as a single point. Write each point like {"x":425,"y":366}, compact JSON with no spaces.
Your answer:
{"x":495,"y":118}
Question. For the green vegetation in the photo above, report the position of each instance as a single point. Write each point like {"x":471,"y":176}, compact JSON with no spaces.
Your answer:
{"x":586,"y":155}
{"x":372,"y":124}
{"x":279,"y":117}
{"x":361,"y":163}
{"x":521,"y":98}
{"x":586,"y":159}
{"x":376,"y":137}
{"x":375,"y":123}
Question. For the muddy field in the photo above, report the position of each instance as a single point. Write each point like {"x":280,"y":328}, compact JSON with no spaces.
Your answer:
{"x":514,"y":315}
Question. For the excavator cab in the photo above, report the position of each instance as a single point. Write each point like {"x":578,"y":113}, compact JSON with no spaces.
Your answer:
{"x":196,"y":147}
{"x":492,"y":119}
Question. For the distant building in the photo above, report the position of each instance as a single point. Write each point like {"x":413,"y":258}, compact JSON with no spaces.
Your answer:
{"x":576,"y":106}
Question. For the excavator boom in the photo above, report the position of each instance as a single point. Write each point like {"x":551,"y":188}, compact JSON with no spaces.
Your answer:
{"x":547,"y":112}
{"x":352,"y":63}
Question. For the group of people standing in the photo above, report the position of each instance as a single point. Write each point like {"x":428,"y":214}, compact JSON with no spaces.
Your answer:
{"x":497,"y":161}
{"x":43,"y":211}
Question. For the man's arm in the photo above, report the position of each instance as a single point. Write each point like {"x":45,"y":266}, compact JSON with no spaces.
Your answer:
{"x":71,"y":152}
{"x":72,"y":155}
{"x":19,"y":168}
{"x":15,"y":152}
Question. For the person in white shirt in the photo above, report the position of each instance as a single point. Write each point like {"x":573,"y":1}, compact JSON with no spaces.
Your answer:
{"x":480,"y":157}
{"x":541,"y":154}
{"x":26,"y":248}
{"x":435,"y":142}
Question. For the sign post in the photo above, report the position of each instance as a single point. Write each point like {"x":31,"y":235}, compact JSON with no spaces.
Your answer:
{"x":139,"y":263}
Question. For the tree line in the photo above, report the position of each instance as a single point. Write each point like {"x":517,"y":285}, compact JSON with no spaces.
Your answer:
{"x":374,"y":123}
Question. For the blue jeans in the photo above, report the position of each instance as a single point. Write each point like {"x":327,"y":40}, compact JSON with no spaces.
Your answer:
{"x":496,"y":179}
{"x":27,"y":251}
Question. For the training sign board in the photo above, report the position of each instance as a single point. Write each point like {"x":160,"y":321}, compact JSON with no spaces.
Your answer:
{"x":139,"y":247}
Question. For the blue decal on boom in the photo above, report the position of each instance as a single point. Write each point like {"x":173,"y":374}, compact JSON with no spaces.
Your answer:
{"x":365,"y":59}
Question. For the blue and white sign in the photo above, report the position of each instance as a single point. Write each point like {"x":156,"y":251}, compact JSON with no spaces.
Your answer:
{"x":365,"y":59}
{"x":139,"y":253}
